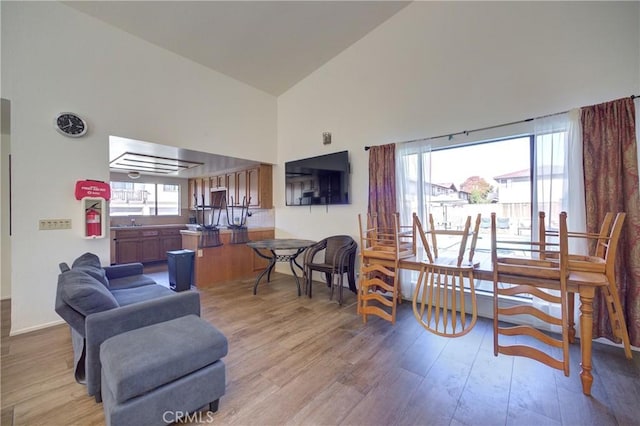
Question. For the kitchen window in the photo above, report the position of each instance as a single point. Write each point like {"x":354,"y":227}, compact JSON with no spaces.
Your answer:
{"x":144,"y":199}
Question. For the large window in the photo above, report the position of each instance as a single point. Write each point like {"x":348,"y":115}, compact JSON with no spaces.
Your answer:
{"x":513,"y":177}
{"x":144,"y":199}
{"x":481,"y":179}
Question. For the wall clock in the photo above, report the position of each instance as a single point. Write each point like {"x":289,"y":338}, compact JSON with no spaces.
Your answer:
{"x":71,"y":124}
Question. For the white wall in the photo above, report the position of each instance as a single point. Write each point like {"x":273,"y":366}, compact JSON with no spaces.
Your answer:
{"x":5,"y":242}
{"x":442,"y":67}
{"x":55,"y":59}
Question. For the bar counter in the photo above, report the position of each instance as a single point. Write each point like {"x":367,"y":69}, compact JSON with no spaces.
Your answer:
{"x":227,"y":262}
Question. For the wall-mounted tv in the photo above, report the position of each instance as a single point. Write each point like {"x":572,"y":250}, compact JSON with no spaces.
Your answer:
{"x":318,"y":180}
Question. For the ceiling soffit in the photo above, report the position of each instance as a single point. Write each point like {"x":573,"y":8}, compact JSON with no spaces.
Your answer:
{"x":130,"y":161}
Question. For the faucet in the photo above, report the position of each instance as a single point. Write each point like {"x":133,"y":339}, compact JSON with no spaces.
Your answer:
{"x":133,"y":222}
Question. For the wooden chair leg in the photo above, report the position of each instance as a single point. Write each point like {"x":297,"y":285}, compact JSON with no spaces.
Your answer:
{"x":571,"y":309}
{"x":616,"y":317}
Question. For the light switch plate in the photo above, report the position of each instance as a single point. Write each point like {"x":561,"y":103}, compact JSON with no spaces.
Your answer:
{"x":54,"y":224}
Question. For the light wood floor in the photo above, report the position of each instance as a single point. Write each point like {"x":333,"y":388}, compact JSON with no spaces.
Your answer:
{"x":295,"y":360}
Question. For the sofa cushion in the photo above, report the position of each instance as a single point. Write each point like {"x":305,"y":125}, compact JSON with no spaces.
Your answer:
{"x":128,"y":296}
{"x":84,"y":293}
{"x":130,"y":281}
{"x":90,"y":264}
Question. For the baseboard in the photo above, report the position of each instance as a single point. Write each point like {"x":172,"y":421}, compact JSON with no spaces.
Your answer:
{"x":36,"y":328}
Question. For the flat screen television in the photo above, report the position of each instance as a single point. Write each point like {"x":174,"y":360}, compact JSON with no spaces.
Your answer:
{"x":318,"y":180}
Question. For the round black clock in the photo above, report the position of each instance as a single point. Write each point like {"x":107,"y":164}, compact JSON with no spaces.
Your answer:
{"x":70,"y":124}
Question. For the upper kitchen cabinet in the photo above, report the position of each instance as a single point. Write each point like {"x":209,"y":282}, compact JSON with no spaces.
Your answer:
{"x":218,"y":181}
{"x":260,"y":186}
{"x":199,"y":189}
{"x":253,"y":185}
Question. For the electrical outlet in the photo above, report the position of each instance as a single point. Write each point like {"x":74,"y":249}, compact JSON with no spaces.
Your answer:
{"x":54,"y":224}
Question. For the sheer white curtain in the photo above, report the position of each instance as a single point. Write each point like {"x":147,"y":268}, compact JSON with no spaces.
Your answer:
{"x":558,"y":184}
{"x":559,"y":174}
{"x":413,"y":172}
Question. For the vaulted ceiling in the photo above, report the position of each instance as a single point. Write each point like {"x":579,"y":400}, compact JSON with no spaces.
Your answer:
{"x":269,"y":45}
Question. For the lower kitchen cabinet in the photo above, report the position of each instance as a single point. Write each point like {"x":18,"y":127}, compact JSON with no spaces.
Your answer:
{"x":150,"y":249}
{"x":146,"y":245}
{"x":169,"y":244}
{"x":127,"y":251}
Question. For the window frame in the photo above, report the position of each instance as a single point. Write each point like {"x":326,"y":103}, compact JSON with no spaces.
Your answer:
{"x":129,"y":185}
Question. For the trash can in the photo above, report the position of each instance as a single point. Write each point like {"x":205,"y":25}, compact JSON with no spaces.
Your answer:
{"x":180,"y":264}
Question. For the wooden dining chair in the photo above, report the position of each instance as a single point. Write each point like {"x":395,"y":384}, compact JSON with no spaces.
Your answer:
{"x":531,"y":274}
{"x":602,"y":262}
{"x":444,"y":300}
{"x":600,"y":240}
{"x":381,"y":250}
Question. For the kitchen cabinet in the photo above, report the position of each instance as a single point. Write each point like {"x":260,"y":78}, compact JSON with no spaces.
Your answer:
{"x":195,"y":191}
{"x":146,"y":245}
{"x":232,"y":188}
{"x":241,"y":187}
{"x":199,"y":189}
{"x":127,"y":251}
{"x":259,"y":186}
{"x":149,"y":248}
{"x":254,"y":183}
{"x":218,"y":181}
{"x":170,"y":239}
{"x":192,"y":190}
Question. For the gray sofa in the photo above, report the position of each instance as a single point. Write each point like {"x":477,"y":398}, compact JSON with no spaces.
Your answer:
{"x":99,"y":303}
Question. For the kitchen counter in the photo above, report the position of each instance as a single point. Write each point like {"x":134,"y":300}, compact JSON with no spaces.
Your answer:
{"x":224,"y":230}
{"x":226,"y":262}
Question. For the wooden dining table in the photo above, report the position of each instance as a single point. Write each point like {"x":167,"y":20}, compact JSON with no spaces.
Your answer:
{"x":575,"y":285}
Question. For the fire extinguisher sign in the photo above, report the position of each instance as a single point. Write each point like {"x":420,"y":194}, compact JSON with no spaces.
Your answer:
{"x":93,"y":189}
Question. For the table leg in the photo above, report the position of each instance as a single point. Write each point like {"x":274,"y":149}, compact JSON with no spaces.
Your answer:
{"x":586,"y":328}
{"x":292,"y":260}
{"x":271,"y":265}
{"x":272,"y":262}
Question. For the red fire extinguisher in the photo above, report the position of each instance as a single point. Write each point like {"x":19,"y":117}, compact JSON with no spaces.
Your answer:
{"x":94,"y":225}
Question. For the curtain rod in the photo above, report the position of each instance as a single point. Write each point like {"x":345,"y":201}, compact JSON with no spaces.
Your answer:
{"x":466,"y":132}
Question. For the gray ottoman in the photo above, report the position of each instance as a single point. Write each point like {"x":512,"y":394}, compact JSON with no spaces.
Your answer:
{"x":156,"y":374}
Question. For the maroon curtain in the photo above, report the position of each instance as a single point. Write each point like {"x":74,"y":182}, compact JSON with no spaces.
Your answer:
{"x":382,"y":184}
{"x":611,"y":184}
